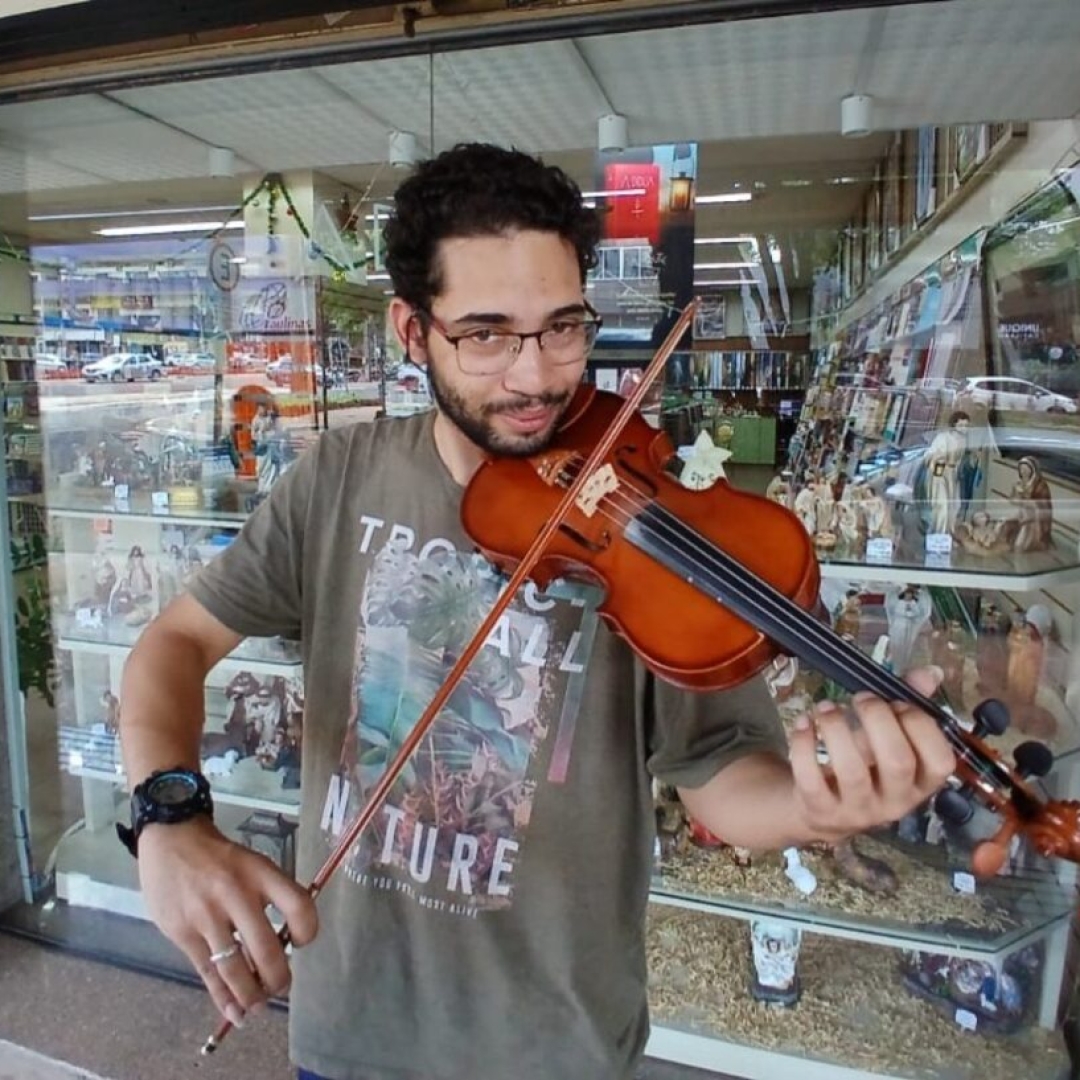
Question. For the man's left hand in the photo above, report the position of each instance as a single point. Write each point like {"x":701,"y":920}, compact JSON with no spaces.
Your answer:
{"x":896,"y":759}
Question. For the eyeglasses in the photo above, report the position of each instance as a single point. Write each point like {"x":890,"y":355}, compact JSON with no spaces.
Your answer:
{"x":488,"y":350}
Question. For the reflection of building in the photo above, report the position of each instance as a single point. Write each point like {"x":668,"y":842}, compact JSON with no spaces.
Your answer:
{"x":625,"y":289}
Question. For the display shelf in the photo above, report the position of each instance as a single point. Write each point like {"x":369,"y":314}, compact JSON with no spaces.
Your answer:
{"x":139,"y":507}
{"x":290,"y":663}
{"x":925,"y":912}
{"x":93,"y":870}
{"x":854,"y":1019}
{"x":95,"y":755}
{"x":1016,"y":571}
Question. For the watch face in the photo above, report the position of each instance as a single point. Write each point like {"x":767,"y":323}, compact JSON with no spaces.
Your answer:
{"x":172,"y":789}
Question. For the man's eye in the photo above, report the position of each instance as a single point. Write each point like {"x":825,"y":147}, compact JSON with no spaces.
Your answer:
{"x":484,"y":337}
{"x":566,"y":326}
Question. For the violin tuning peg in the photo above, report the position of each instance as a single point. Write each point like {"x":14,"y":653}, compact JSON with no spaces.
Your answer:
{"x":1033,"y":759}
{"x":953,"y":806}
{"x":991,"y":718}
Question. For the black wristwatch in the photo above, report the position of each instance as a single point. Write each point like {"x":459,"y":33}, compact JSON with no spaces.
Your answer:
{"x":166,"y":797}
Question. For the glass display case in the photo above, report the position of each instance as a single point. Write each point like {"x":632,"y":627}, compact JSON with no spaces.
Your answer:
{"x":943,"y":511}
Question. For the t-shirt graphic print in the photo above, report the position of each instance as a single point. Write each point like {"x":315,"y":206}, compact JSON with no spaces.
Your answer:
{"x":453,"y":828}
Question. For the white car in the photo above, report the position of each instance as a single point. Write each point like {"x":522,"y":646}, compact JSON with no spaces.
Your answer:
{"x":123,"y":367}
{"x":1004,"y":392}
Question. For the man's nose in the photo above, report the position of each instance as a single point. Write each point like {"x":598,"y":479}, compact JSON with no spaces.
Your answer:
{"x":529,"y":371}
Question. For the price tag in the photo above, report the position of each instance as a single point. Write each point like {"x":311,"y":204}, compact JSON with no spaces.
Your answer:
{"x":120,"y":493}
{"x":159,"y":500}
{"x":966,"y":1019}
{"x":938,"y":544}
{"x":879,"y":550}
{"x":963,"y":882}
{"x":86,"y":618}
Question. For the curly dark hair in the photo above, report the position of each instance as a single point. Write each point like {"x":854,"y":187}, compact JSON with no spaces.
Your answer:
{"x":475,"y":189}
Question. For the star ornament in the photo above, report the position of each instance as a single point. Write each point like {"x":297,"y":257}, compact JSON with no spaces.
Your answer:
{"x":705,"y":464}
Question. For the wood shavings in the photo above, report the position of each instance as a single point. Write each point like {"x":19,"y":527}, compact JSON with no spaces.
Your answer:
{"x":853,"y":1012}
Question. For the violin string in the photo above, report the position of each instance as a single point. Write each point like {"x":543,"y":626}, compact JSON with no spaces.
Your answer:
{"x":778,"y":605}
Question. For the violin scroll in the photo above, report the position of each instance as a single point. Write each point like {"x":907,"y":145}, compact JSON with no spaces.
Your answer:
{"x":1051,"y":827}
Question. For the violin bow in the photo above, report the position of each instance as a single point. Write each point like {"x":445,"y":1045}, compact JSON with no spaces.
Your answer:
{"x":381,"y":790}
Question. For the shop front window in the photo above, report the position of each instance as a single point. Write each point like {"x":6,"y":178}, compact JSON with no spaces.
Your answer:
{"x":193,"y":291}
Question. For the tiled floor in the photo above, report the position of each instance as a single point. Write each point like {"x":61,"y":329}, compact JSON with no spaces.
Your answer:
{"x":64,"y":1017}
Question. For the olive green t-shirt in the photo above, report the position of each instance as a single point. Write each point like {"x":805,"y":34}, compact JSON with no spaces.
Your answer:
{"x":489,"y":925}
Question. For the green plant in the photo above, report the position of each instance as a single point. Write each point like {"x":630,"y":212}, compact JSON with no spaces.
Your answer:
{"x":34,"y":641}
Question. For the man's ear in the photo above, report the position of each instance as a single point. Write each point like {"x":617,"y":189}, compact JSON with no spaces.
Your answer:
{"x":407,"y":327}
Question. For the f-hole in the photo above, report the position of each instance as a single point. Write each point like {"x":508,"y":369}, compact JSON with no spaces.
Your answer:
{"x":584,"y":541}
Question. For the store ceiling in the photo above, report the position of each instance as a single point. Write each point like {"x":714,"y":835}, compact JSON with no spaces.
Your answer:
{"x":760,"y":97}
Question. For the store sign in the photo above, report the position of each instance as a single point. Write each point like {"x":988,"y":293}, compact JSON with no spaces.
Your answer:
{"x":645,"y":275}
{"x":274,"y":306}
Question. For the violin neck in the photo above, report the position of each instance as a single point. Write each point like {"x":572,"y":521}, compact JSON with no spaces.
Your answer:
{"x":698,"y":561}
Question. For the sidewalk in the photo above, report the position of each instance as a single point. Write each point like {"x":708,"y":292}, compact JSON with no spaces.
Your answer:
{"x":18,"y":1063}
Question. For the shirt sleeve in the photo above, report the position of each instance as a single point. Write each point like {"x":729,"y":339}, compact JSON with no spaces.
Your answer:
{"x":694,"y":735}
{"x":254,"y":586}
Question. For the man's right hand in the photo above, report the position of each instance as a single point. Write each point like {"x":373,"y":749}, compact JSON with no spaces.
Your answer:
{"x":207,"y":894}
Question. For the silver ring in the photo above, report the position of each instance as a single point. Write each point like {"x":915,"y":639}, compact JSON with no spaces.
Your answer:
{"x":224,"y":954}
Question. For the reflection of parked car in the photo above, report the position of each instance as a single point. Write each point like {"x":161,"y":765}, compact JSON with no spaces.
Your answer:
{"x":49,"y":365}
{"x":123,"y":367}
{"x":1003,"y":392}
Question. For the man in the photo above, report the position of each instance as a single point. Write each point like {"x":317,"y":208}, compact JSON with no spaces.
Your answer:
{"x":491,"y":924}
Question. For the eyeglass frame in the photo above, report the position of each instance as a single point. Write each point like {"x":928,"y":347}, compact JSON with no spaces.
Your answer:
{"x":594,"y":318}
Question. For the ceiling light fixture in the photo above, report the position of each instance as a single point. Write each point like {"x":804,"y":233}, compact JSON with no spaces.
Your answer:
{"x":728,"y":197}
{"x":403,"y":152}
{"x":164,"y":230}
{"x":91,"y":215}
{"x":856,"y":116}
{"x":612,"y":133}
{"x":613,"y":193}
{"x":222,"y":161}
{"x":718,"y":283}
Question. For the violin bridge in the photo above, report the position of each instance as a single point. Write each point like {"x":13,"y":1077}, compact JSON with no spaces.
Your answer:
{"x":602,"y":482}
{"x":560,"y":468}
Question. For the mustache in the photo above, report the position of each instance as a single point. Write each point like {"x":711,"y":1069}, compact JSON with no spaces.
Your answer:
{"x":523,"y":404}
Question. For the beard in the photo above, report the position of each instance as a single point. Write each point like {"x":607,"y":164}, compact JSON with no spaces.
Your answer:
{"x":475,"y":422}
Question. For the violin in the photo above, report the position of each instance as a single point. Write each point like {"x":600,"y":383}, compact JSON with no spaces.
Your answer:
{"x":707,"y":587}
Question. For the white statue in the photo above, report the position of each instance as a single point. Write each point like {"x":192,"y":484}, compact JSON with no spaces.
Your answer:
{"x":943,"y":459}
{"x":908,"y":611}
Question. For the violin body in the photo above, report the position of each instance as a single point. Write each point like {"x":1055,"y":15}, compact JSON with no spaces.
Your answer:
{"x":679,"y":630}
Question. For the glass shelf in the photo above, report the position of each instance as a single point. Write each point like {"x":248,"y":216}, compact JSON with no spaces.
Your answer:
{"x":925,"y":912}
{"x":1016,"y":571}
{"x":93,"y":503}
{"x":92,"y":754}
{"x":256,"y":653}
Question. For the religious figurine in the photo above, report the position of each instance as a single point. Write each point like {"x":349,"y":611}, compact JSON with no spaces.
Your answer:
{"x":849,"y":528}
{"x":805,"y":507}
{"x":875,"y":512}
{"x":864,"y":870}
{"x":942,"y":461}
{"x":110,"y":707}
{"x":1024,"y":667}
{"x":991,"y":652}
{"x":948,"y":648}
{"x":775,"y":952}
{"x":848,"y":615}
{"x":1026,"y":648}
{"x":1031,"y":497}
{"x":908,"y":612}
{"x":983,"y":535}
{"x":779,"y":489}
